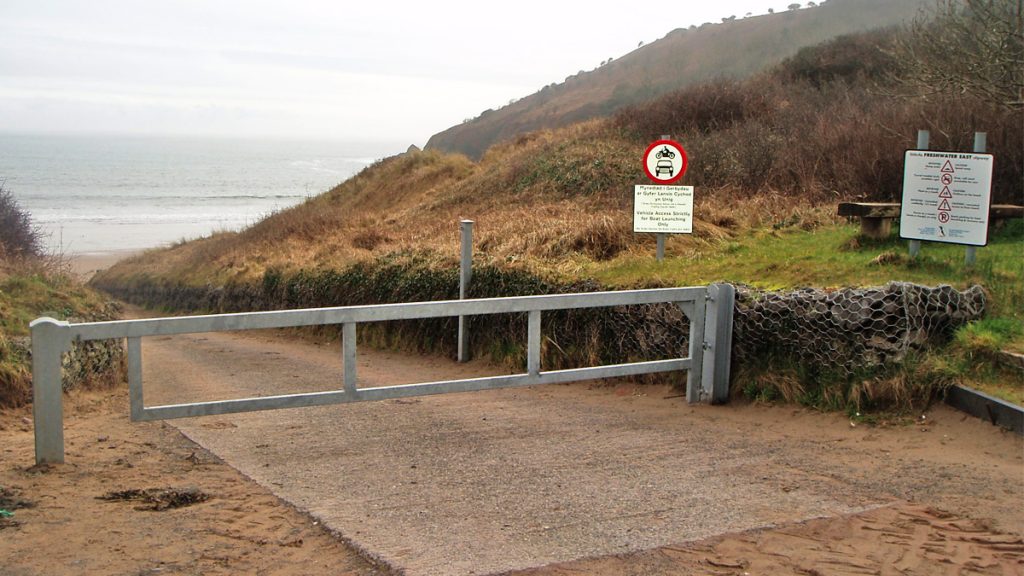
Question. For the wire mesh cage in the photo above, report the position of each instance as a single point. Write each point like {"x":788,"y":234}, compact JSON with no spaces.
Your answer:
{"x":850,"y":330}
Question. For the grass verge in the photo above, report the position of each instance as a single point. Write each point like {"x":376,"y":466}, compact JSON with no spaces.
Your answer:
{"x":33,"y":289}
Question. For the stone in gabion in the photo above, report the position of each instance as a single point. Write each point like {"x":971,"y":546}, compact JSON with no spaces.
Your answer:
{"x":849,"y":330}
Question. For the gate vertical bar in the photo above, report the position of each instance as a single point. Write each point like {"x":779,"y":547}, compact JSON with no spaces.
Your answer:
{"x":465,"y":276}
{"x":136,"y":401}
{"x":697,"y":347}
{"x":49,"y":341}
{"x":718,"y":335}
{"x":923,"y":137}
{"x":348,"y":347}
{"x":980,"y":143}
{"x":533,"y":344}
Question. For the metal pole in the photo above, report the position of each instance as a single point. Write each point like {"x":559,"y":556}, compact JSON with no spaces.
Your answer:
{"x":695,"y":313}
{"x":659,"y":253}
{"x":348,"y":354}
{"x":980,"y":143}
{"x":49,"y":341}
{"x":718,"y":319}
{"x":923,"y":136}
{"x":465,"y":275}
{"x":136,"y":401}
{"x":533,"y":343}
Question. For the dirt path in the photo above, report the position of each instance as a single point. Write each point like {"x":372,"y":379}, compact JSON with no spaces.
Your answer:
{"x":509,"y":480}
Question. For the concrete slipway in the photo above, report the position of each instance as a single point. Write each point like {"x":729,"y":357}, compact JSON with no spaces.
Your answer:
{"x":488,"y":482}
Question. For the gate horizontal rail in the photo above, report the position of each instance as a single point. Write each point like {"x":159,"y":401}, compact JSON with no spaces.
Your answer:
{"x":50,"y":338}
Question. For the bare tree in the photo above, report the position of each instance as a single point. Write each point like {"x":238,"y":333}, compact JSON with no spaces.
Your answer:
{"x":971,"y":47}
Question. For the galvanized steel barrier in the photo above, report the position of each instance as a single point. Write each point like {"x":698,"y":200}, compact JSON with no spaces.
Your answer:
{"x":709,"y":310}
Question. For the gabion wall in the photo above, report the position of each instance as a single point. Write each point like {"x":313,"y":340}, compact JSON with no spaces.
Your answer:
{"x":842,"y":332}
{"x":850,"y":330}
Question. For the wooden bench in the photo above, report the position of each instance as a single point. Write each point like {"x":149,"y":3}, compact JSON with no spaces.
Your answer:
{"x":876,"y":217}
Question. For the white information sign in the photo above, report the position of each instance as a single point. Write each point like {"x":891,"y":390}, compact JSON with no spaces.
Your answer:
{"x":946,"y":197}
{"x":665,"y":209}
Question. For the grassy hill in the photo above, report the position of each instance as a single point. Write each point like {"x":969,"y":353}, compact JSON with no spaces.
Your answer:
{"x":734,"y":49}
{"x":777,"y":150}
{"x":33,"y":285}
{"x":769,"y":156}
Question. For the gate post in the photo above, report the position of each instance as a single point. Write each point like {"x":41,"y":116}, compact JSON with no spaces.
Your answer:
{"x":718,"y":342}
{"x":49,"y":341}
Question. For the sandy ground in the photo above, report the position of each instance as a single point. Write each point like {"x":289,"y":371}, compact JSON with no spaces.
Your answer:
{"x":796,"y":492}
{"x":942,"y":496}
{"x":61,"y":526}
{"x":85,"y":266}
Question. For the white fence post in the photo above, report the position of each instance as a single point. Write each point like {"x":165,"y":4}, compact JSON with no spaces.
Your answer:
{"x":49,"y":341}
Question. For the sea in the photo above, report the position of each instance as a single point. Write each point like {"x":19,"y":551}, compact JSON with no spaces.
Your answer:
{"x":101,"y":194}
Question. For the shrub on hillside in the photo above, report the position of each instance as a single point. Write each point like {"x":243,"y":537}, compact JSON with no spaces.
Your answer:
{"x":700,"y":109}
{"x":19,"y":238}
{"x":974,"y":47}
{"x":820,"y":127}
{"x":852,"y":58}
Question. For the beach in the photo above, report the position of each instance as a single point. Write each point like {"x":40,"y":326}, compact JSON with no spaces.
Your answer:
{"x":96,"y":195}
{"x":85,"y":266}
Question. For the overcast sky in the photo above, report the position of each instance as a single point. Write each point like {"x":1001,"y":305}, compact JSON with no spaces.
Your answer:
{"x":393,"y":70}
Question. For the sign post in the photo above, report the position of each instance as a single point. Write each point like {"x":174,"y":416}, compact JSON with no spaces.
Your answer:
{"x":922,"y":144}
{"x":661,"y":208}
{"x":980,"y":141}
{"x":946,"y":197}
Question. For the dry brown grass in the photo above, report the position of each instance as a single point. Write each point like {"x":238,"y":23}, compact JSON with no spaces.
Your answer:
{"x":774,"y":152}
{"x":537,"y":224}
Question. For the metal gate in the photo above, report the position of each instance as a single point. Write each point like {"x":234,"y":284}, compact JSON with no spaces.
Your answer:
{"x":709,"y":310}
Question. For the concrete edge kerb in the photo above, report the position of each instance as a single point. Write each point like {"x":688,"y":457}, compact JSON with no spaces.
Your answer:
{"x":981,"y":405}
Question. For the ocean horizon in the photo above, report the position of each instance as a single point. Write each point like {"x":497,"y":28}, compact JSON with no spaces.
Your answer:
{"x":96,"y":194}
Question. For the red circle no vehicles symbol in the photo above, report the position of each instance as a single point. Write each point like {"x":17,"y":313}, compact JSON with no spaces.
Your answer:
{"x":665,"y":161}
